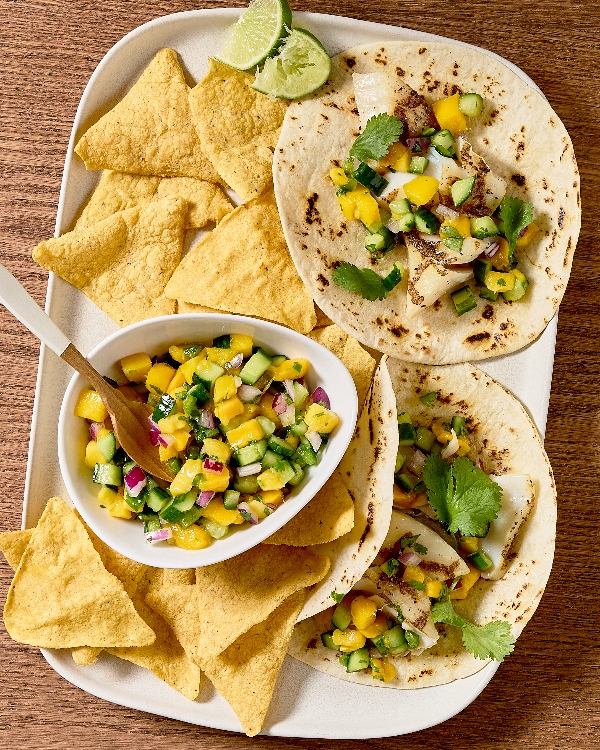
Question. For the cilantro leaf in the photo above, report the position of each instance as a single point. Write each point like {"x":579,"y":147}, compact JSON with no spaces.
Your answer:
{"x":437,"y":475}
{"x":515,"y":216}
{"x":464,"y":498}
{"x":476,"y":499}
{"x":377,"y":137}
{"x":490,"y":641}
{"x":360,"y":281}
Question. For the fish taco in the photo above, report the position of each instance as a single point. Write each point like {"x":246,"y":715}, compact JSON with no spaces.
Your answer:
{"x":430,"y":200}
{"x":469,"y":548}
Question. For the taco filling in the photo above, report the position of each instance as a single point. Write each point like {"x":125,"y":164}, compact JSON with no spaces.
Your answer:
{"x":412,"y":178}
{"x":453,"y":524}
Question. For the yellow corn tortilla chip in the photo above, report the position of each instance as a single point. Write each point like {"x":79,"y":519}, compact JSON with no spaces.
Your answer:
{"x":118,"y":191}
{"x":62,"y":596}
{"x":329,"y":515}
{"x":245,"y":673}
{"x":243,"y":266}
{"x":360,"y":363}
{"x":238,"y":128}
{"x":124,"y":262}
{"x":231,"y":597}
{"x":150,"y":130}
{"x":84,"y":656}
{"x":13,"y":545}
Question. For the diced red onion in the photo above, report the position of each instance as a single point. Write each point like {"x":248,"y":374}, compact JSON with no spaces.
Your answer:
{"x":249,"y":469}
{"x":248,"y":392}
{"x":165,"y":439}
{"x":204,"y":498}
{"x":457,"y":585}
{"x":154,"y":431}
{"x":314,"y":439}
{"x":419,"y":144}
{"x":416,"y":463}
{"x":235,"y":362}
{"x":279,"y":404}
{"x":135,"y":481}
{"x":209,"y":464}
{"x":95,"y":428}
{"x":247,"y":510}
{"x":446,"y":211}
{"x":452,"y":446}
{"x":207,"y":419}
{"x":300,"y":381}
{"x":158,"y":536}
{"x":289,"y":387}
{"x":492,"y":249}
{"x":320,"y":397}
{"x":410,"y":557}
{"x":271,"y":506}
{"x":286,"y":412}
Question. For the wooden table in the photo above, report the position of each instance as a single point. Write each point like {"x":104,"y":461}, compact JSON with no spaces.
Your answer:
{"x":547,"y":695}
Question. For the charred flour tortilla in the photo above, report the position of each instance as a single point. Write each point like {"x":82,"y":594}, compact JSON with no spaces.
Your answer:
{"x":507,"y":441}
{"x":521,"y":139}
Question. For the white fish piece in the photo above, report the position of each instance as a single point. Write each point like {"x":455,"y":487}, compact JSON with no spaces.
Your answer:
{"x":394,"y":190}
{"x":445,"y":170}
{"x":489,"y":189}
{"x":374,"y":94}
{"x":518,"y":496}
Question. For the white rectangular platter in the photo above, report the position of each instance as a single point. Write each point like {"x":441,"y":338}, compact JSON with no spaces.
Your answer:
{"x":307,"y":703}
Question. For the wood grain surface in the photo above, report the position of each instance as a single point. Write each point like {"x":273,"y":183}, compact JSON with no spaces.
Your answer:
{"x":546,"y":695}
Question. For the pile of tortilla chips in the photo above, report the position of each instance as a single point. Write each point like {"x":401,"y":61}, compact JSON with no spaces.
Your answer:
{"x":167,"y":152}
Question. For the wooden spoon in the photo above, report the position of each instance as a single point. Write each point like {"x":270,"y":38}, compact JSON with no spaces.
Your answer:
{"x":129,"y":418}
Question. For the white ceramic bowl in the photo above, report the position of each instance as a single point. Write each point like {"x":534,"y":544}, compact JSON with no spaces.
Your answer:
{"x":154,"y":337}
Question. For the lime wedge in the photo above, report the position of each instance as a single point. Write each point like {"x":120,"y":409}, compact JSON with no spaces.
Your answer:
{"x":256,"y":34}
{"x":301,"y":66}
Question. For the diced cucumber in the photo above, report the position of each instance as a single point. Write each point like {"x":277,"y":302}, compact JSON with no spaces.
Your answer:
{"x":341,"y":617}
{"x":269,"y":459}
{"x":395,"y":640}
{"x":151,"y":524}
{"x":299,"y":475}
{"x":486,"y":293}
{"x":278,"y":359}
{"x":157,"y":498}
{"x":206,"y":373}
{"x":164,"y":408}
{"x":108,"y":474}
{"x":305,"y":454}
{"x":407,"y":433}
{"x":184,"y":502}
{"x":481,"y":267}
{"x":459,"y":425}
{"x":394,"y":276}
{"x":482,"y":227}
{"x":231,"y":499}
{"x":425,"y":221}
{"x":327,"y":641}
{"x":300,"y":394}
{"x":267,"y":425}
{"x":200,"y":393}
{"x":425,"y":439}
{"x":190,"y":516}
{"x":518,"y":290}
{"x":390,"y":567}
{"x":246,"y":485}
{"x":280,"y":446}
{"x":464,"y":300}
{"x":173,"y":464}
{"x":429,"y":398}
{"x":358,"y":660}
{"x":462,"y":189}
{"x":380,"y":241}
{"x":107,"y":445}
{"x":480,"y":560}
{"x":406,"y":222}
{"x":222,"y":342}
{"x":251,"y":453}
{"x":418,"y":164}
{"x":343,"y":659}
{"x":400,"y":207}
{"x":412,"y":639}
{"x":255,"y":367}
{"x":170,"y":513}
{"x":370,"y":178}
{"x":135,"y":503}
{"x":405,"y":482}
{"x":285,"y":471}
{"x":299,"y":428}
{"x":443,"y":142}
{"x":192,"y":350}
{"x":470,"y":105}
{"x":215,"y":529}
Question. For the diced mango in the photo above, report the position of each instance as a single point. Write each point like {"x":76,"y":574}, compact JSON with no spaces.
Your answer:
{"x":265,"y":406}
{"x":120,"y":509}
{"x":271,"y":497}
{"x":464,"y":446}
{"x":246,"y":433}
{"x":290,"y":369}
{"x":467,"y":581}
{"x":421,"y":190}
{"x":108,"y":497}
{"x":218,"y":356}
{"x":189,"y":368}
{"x":338,"y":176}
{"x":469,"y":544}
{"x":136,"y":366}
{"x":434,"y":588}
{"x":250,"y":411}
{"x":413,"y":573}
{"x":398,"y":157}
{"x":449,"y":116}
{"x":347,"y":206}
{"x":270,"y":480}
{"x":528,"y":235}
{"x":376,"y":628}
{"x":501,"y":258}
{"x":159,"y":377}
{"x":320,"y":419}
{"x":367,"y":209}
{"x":381,"y":669}
{"x":217,"y":449}
{"x":176,"y":383}
{"x":401,"y":498}
{"x":364,"y":612}
{"x":181,"y":439}
{"x":228,"y":409}
{"x":259,"y":508}
{"x":241,"y":343}
{"x":462,"y":224}
{"x":210,"y":481}
{"x":225,"y":388}
{"x":194,"y":537}
{"x":185,"y":477}
{"x":349,"y":640}
{"x":293,"y":441}
{"x":442,"y":435}
{"x":93,"y":455}
{"x":90,"y":406}
{"x":168,"y":425}
{"x":177,"y":353}
{"x":217,"y":512}
{"x":165,"y":453}
{"x":499,"y":282}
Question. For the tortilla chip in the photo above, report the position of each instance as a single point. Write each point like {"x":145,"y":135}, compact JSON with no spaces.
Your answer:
{"x":118,"y":191}
{"x":359,"y":362}
{"x":83,"y":604}
{"x":84,"y":656}
{"x":232,"y":596}
{"x":238,"y":127}
{"x":150,"y":131}
{"x":368,"y":471}
{"x":322,"y":319}
{"x":13,"y":545}
{"x":124,"y":262}
{"x":329,"y":515}
{"x":245,"y":673}
{"x":243,"y":266}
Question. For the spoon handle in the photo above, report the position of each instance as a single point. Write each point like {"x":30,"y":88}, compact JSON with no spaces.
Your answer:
{"x":18,"y":301}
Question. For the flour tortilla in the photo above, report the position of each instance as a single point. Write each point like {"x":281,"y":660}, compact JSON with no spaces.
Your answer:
{"x":521,"y":139}
{"x":507,"y":440}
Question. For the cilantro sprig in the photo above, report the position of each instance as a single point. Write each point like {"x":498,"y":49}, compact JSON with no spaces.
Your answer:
{"x":379,"y":134}
{"x":465,"y":499}
{"x":365,"y":282}
{"x":490,"y":641}
{"x":515,"y":215}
